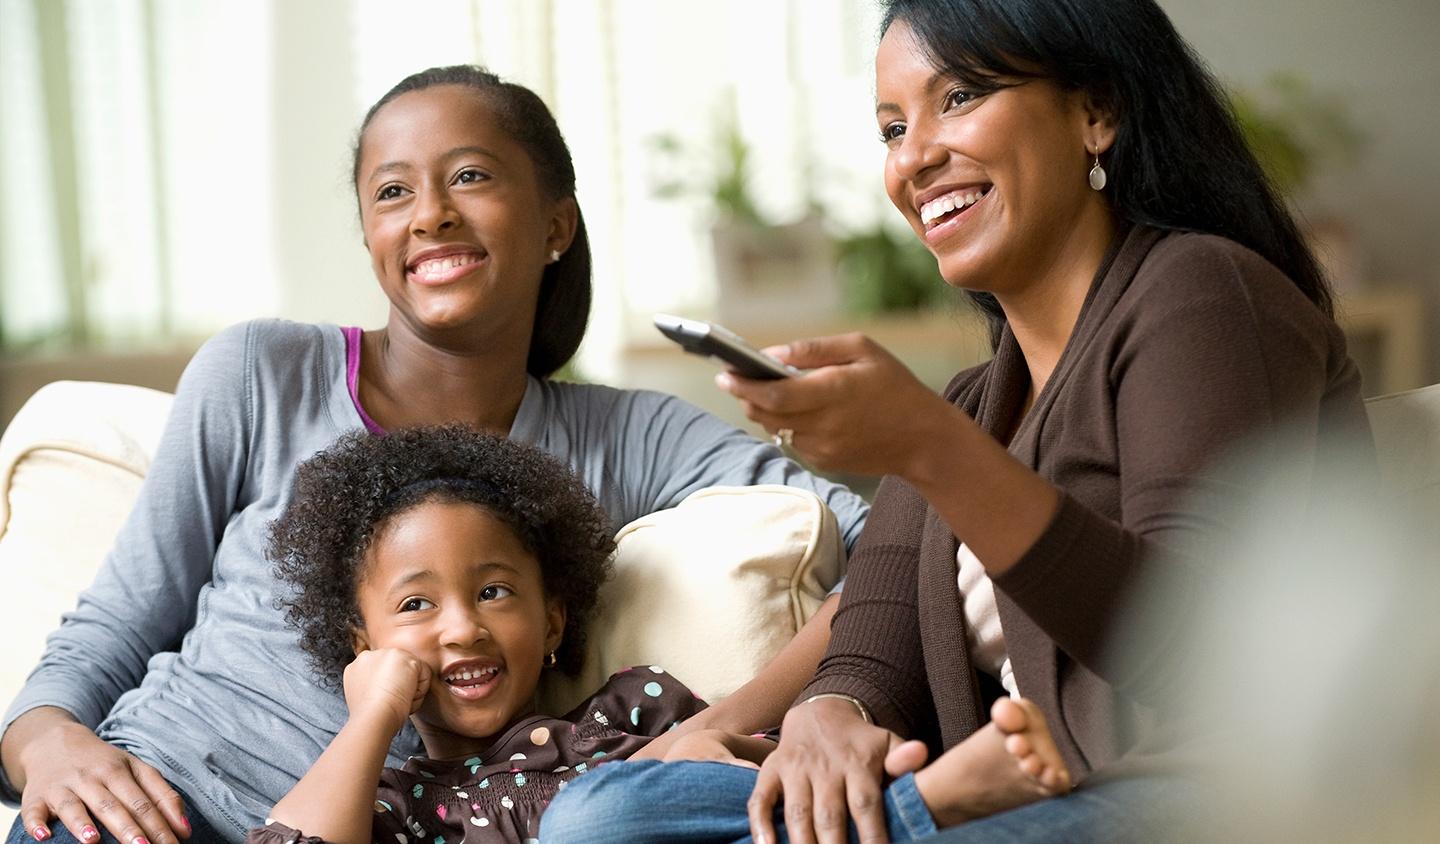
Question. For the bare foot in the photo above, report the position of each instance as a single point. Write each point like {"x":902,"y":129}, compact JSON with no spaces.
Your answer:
{"x":1010,"y":762}
{"x":1027,"y":738}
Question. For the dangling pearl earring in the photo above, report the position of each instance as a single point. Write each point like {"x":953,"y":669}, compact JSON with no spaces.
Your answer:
{"x":1097,"y":174}
{"x":554,"y":255}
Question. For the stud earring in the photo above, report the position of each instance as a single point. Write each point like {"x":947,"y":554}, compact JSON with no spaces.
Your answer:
{"x":1097,"y":174}
{"x":554,"y":255}
{"x":550,"y":660}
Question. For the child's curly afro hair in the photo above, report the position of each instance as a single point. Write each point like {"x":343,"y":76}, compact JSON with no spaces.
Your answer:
{"x":344,"y":495}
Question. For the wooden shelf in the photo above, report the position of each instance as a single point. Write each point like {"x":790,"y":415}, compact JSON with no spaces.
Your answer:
{"x":1385,"y":330}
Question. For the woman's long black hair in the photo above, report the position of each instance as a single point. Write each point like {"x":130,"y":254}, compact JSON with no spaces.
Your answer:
{"x":1179,"y":160}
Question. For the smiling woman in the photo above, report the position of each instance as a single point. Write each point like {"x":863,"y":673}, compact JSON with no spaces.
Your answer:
{"x":990,"y":217}
{"x":1145,"y":323}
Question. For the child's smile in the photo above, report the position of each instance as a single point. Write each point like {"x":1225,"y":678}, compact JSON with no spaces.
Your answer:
{"x":453,"y":585}
{"x":471,"y":679}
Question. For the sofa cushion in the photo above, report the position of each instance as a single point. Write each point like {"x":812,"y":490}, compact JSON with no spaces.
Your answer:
{"x":710,"y":589}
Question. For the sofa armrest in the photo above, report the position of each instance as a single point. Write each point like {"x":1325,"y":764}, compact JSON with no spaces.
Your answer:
{"x":1407,"y":443}
{"x":71,"y":463}
{"x":98,"y":425}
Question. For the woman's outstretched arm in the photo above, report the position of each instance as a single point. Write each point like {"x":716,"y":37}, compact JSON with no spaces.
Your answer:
{"x":1224,"y":354}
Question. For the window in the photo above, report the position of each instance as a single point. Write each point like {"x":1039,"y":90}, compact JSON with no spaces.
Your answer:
{"x":178,"y":166}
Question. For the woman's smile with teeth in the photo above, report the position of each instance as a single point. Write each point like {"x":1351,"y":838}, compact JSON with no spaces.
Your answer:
{"x":932,"y":211}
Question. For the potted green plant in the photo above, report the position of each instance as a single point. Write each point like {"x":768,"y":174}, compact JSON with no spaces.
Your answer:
{"x":1295,"y":130}
{"x":766,"y":270}
{"x":1292,"y":128}
{"x":887,"y":271}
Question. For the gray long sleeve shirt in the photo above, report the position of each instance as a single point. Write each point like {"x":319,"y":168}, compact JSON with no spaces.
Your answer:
{"x":177,"y":652}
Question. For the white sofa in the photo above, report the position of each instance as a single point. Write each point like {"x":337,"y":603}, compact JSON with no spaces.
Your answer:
{"x":72,"y":461}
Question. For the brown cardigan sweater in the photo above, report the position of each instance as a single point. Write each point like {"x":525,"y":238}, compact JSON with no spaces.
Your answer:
{"x":1186,"y":346}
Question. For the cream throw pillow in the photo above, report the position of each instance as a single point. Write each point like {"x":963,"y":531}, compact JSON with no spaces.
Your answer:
{"x":710,"y":589}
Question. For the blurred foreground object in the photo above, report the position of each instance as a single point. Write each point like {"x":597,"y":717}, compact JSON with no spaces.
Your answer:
{"x":1317,"y":651}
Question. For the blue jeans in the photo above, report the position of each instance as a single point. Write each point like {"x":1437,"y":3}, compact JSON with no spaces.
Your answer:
{"x":688,"y":801}
{"x":705,"y":802}
{"x":1129,"y":811}
{"x":200,"y":831}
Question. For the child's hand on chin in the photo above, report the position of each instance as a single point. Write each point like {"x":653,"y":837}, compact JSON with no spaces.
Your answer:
{"x":387,"y":684}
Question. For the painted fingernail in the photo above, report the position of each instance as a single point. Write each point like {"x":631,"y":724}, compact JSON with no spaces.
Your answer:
{"x":186,"y":821}
{"x":139,"y":839}
{"x":88,"y":833}
{"x":40,"y":833}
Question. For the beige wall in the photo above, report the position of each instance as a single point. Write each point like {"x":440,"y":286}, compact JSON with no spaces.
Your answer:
{"x":1382,"y":59}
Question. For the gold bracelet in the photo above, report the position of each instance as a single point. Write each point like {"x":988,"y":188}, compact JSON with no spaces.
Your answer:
{"x":864,"y":713}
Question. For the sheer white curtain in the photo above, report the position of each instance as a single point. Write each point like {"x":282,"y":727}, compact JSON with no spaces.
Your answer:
{"x":134,"y":143}
{"x":32,"y":288}
{"x":177,"y":165}
{"x":795,"y":74}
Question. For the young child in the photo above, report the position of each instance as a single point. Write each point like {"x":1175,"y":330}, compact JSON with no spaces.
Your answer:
{"x":441,"y":571}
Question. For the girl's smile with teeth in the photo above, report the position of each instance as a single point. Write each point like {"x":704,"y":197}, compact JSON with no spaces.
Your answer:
{"x":472,"y":674}
{"x":435,"y":266}
{"x":473,"y":683}
{"x":443,"y":268}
